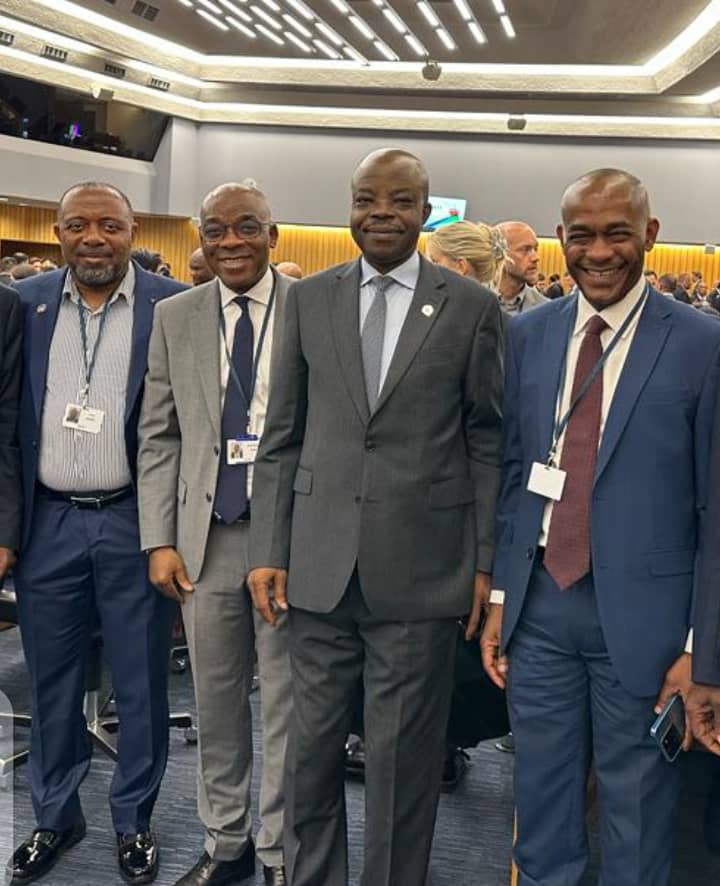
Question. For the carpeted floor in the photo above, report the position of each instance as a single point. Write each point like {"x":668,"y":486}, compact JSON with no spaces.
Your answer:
{"x":472,"y":837}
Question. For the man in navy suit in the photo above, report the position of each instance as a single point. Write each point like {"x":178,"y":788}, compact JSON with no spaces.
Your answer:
{"x":609,"y":405}
{"x":86,"y":332}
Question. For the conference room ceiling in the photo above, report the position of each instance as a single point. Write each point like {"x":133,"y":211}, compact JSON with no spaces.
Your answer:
{"x":616,"y":67}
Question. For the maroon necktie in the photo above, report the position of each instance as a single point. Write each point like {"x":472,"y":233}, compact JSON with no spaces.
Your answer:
{"x":567,"y":556}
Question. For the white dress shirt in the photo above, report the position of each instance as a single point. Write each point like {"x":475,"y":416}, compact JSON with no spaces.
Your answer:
{"x":259,"y":299}
{"x":399,"y":295}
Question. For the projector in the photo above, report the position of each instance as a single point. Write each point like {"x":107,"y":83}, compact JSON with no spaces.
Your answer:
{"x":431,"y":70}
{"x":516,"y":123}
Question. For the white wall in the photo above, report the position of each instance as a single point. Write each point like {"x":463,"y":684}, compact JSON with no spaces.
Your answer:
{"x":306,"y":173}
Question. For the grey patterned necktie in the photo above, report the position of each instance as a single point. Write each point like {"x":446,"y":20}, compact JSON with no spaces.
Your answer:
{"x":372,"y":338}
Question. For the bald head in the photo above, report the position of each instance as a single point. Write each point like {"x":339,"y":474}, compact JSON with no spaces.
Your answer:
{"x":230,"y":191}
{"x":606,"y":231}
{"x":393,"y":157}
{"x":608,"y":182}
{"x":199,"y":268}
{"x":522,"y":264}
{"x":290,"y":269}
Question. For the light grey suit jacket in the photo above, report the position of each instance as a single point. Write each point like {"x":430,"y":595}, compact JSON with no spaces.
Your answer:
{"x":180,"y":443}
{"x":407,"y":493}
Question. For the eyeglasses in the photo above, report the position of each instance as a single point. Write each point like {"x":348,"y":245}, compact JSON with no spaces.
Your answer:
{"x":247,"y":229}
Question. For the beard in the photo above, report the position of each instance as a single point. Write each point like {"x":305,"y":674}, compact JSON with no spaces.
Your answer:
{"x":97,"y":277}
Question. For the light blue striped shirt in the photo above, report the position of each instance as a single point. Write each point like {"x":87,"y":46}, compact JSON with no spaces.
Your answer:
{"x":399,"y":296}
{"x":77,"y":461}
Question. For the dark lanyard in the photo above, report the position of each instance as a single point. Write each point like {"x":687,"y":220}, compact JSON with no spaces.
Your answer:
{"x":89,"y":366}
{"x":248,"y":395}
{"x":562,"y":423}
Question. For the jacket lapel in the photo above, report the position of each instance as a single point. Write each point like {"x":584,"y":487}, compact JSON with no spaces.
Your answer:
{"x":344,"y":306}
{"x":429,"y":293}
{"x":205,"y":343}
{"x":548,"y":366}
{"x":40,"y":326}
{"x":145,"y":298}
{"x":650,"y":334}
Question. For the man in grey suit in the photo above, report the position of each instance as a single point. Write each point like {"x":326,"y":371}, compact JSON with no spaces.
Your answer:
{"x":518,"y":292}
{"x":203,"y":412}
{"x":375,"y":494}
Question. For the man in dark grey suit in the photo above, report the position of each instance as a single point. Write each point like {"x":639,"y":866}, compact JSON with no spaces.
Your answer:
{"x":375,"y":494}
{"x":10,"y":366}
{"x":204,"y":408}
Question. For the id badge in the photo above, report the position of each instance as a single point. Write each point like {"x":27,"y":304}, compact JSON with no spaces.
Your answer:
{"x":83,"y":418}
{"x":547,"y":481}
{"x":242,"y":450}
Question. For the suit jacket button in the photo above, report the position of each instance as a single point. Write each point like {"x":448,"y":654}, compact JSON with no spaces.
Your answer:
{"x":369,"y":446}
{"x":530,"y":553}
{"x":357,"y":499}
{"x":208,"y":497}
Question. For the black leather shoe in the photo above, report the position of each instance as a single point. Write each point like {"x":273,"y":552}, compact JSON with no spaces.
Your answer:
{"x":38,"y":854}
{"x":454,"y":769}
{"x":138,"y":857}
{"x":274,"y":876}
{"x":207,"y":872}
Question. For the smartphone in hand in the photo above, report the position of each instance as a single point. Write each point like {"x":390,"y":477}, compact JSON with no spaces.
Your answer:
{"x":668,"y":730}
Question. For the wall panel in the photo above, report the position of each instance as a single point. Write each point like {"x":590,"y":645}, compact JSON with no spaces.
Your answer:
{"x":313,"y":248}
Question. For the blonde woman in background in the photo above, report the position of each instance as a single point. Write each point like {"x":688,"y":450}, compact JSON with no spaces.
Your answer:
{"x":472,"y":249}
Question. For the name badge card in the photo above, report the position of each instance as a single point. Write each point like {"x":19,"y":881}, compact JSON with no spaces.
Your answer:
{"x":242,"y":450}
{"x":83,"y":418}
{"x":547,"y":481}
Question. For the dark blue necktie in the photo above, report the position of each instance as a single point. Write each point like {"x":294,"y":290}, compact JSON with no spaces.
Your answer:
{"x":231,"y":499}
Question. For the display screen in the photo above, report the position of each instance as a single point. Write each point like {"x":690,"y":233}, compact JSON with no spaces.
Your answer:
{"x":445,"y":211}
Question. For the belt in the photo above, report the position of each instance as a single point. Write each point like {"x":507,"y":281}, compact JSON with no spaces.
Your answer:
{"x":243,"y":518}
{"x":87,"y":500}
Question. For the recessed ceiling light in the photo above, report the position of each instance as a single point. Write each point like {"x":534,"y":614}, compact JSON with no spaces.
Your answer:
{"x":328,"y":32}
{"x":269,"y":34}
{"x":361,"y":26}
{"x":271,"y":4}
{"x":429,"y":14}
{"x":507,"y":25}
{"x":232,"y":7}
{"x":446,"y":38}
{"x":464,"y":10}
{"x":499,"y":6}
{"x":299,"y":27}
{"x":239,"y":26}
{"x":385,"y":50}
{"x":416,"y":45}
{"x":352,"y":53}
{"x":213,"y":7}
{"x":477,"y":32}
{"x":221,"y":26}
{"x":395,"y":20}
{"x":266,"y":17}
{"x":323,"y":47}
{"x":293,"y":38}
{"x":300,"y":7}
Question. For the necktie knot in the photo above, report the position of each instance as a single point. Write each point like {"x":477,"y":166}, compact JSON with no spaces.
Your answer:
{"x":381,"y":283}
{"x":595,"y":325}
{"x":242,"y":302}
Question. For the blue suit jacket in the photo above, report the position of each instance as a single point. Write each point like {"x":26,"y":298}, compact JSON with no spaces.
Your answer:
{"x":40,"y":297}
{"x":649,"y":493}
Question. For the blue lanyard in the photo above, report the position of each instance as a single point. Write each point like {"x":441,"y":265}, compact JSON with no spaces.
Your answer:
{"x":562,"y":423}
{"x":89,"y":366}
{"x":248,"y":395}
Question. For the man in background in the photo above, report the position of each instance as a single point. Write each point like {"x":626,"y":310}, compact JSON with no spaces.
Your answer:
{"x":520,"y":270}
{"x":290,"y":269}
{"x":200,"y":271}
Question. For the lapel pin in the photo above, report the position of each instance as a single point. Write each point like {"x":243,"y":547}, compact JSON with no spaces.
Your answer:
{"x":40,"y":309}
{"x":428,"y":310}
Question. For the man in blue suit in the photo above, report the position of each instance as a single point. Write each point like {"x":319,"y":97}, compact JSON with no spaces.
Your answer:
{"x":609,"y":404}
{"x":86,"y":332}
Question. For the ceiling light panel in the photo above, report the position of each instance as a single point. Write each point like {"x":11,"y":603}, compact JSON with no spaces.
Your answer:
{"x":297,"y":25}
{"x":239,"y":26}
{"x":507,"y":26}
{"x":266,"y":32}
{"x":220,"y":25}
{"x":209,"y":4}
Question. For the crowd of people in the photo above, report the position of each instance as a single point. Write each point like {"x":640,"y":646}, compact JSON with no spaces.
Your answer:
{"x":328,"y":474}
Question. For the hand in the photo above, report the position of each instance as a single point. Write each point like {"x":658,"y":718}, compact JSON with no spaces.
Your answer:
{"x":678,"y":679}
{"x":702,"y":710}
{"x":268,"y":589}
{"x":7,"y":561}
{"x":496,"y":665}
{"x":167,"y":572}
{"x":481,"y":595}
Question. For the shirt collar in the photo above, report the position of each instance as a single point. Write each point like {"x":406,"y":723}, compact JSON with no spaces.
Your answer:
{"x":614,"y":315}
{"x":405,"y":274}
{"x":126,"y":288}
{"x":260,"y":292}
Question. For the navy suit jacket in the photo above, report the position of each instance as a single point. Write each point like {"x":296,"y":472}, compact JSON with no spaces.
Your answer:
{"x":650,"y":488}
{"x":40,"y":297}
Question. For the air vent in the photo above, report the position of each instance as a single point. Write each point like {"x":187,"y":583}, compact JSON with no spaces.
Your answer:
{"x":145,"y":10}
{"x":6,"y":39}
{"x":114,"y":70}
{"x":154,"y":83}
{"x":57,"y":55}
